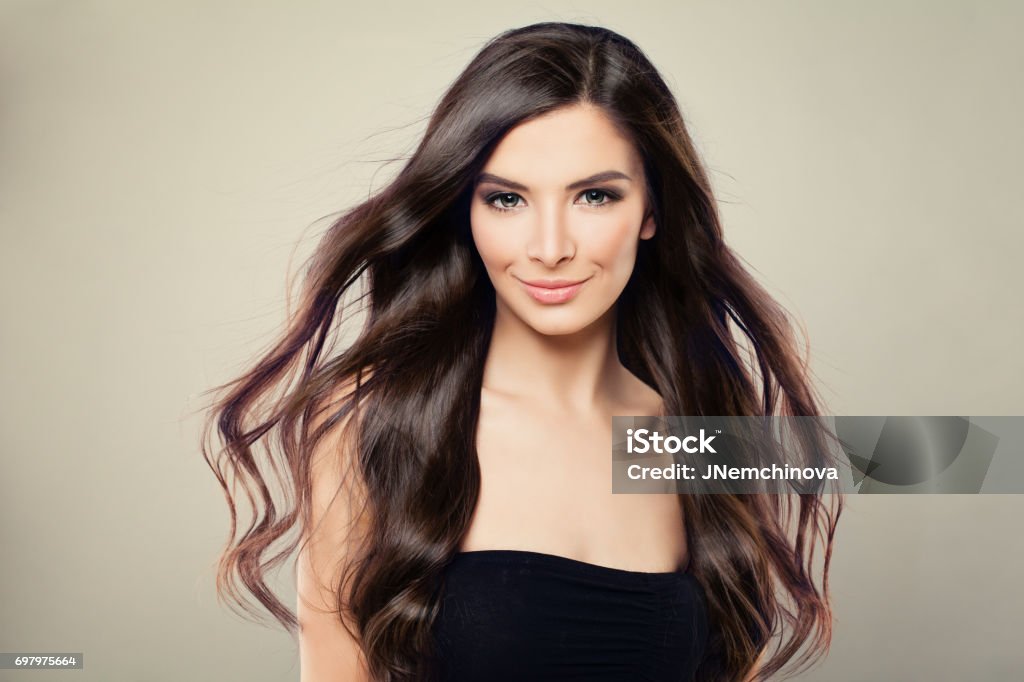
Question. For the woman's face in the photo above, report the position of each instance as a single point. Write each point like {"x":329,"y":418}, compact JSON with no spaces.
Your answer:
{"x":557,"y":214}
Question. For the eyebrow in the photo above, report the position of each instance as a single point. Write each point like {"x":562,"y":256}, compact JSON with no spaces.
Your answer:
{"x":603,"y":176}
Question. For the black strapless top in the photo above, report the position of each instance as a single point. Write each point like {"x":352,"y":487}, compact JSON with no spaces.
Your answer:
{"x":520,"y":615}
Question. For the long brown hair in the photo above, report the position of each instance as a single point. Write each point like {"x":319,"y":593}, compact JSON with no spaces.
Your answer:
{"x":430,"y":317}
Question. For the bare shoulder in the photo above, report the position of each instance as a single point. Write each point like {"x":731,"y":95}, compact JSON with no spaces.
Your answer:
{"x":328,"y":650}
{"x":639,"y":399}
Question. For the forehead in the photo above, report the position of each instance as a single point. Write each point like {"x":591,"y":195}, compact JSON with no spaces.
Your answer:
{"x":564,"y":145}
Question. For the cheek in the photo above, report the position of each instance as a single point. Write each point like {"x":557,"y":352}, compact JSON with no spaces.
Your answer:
{"x":616,"y":248}
{"x":489,"y":241}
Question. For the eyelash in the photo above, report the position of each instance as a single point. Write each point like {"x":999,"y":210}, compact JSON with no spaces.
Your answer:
{"x":610,"y":198}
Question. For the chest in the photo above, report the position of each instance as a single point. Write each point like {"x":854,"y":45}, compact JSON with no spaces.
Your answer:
{"x":546,"y":483}
{"x":543,"y":452}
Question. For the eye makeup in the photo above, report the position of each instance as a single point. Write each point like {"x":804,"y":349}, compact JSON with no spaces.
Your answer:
{"x":609,"y":197}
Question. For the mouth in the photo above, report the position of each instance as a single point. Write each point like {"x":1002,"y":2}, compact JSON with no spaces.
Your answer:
{"x":551,"y":291}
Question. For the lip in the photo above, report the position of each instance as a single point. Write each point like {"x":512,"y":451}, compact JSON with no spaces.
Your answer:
{"x":551,"y":291}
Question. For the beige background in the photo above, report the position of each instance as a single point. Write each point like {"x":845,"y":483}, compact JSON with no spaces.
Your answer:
{"x":160,"y":160}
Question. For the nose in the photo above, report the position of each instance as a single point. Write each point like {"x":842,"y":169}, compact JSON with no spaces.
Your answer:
{"x":551,"y":240}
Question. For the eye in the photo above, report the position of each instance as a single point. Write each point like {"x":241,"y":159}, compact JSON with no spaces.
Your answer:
{"x":509,"y":201}
{"x":503,"y":201}
{"x":597,"y":197}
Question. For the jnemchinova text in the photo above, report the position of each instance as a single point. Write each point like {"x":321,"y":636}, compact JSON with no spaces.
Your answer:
{"x":722,"y":472}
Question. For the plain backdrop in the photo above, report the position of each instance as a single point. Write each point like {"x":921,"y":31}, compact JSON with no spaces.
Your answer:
{"x":165,"y":165}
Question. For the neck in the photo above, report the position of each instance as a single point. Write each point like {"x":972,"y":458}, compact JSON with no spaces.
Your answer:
{"x":575,"y":373}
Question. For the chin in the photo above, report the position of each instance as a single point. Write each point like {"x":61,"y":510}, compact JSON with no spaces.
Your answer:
{"x":558,"y":322}
{"x":557,"y":329}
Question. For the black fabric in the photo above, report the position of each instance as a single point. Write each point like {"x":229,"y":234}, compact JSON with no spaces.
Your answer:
{"x":518,"y":615}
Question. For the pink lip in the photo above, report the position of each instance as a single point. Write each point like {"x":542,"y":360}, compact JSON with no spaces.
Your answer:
{"x":553,"y":290}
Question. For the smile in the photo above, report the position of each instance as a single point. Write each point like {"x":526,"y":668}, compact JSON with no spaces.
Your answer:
{"x":553,"y":291}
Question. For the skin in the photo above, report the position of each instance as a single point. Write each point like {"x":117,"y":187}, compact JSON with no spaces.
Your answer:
{"x":552,"y":378}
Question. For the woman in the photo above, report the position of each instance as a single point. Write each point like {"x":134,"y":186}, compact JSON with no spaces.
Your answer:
{"x":550,"y":256}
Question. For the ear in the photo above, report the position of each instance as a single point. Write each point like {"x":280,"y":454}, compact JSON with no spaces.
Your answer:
{"x":648,"y":228}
